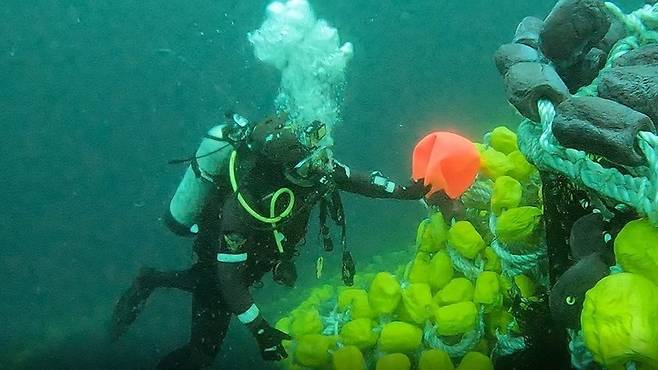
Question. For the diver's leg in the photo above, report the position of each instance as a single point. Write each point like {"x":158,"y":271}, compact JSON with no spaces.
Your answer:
{"x":210,"y":321}
{"x":132,"y":300}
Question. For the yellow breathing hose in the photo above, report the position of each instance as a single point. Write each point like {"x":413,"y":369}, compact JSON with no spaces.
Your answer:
{"x":273,"y":219}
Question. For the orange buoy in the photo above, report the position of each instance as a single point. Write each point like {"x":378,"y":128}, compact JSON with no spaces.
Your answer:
{"x":447,"y":162}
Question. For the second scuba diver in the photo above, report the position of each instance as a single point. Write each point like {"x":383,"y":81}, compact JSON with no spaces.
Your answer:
{"x":247,"y":198}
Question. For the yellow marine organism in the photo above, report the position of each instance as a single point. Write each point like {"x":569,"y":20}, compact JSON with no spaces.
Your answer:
{"x":500,"y":320}
{"x":305,"y":322}
{"x":441,"y":270}
{"x":503,"y":140}
{"x":457,"y":290}
{"x":435,"y":359}
{"x":518,"y":224}
{"x":491,"y":260}
{"x":507,"y":194}
{"x":526,"y":286}
{"x":432,"y":233}
{"x":521,"y":170}
{"x":455,"y":319}
{"x":487,"y":289}
{"x":398,"y":336}
{"x":424,"y":240}
{"x":356,"y":300}
{"x":313,"y":350}
{"x":494,"y":164}
{"x":318,"y":295}
{"x":417,"y":301}
{"x":620,"y":321}
{"x":475,"y":361}
{"x":465,"y":239}
{"x":636,"y":249}
{"x":283,"y":324}
{"x":348,"y":358}
{"x":420,"y":268}
{"x":359,"y":333}
{"x":384,"y":294}
{"x":394,"y":361}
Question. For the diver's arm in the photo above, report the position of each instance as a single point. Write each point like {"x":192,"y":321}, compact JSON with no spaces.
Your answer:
{"x":375,"y":185}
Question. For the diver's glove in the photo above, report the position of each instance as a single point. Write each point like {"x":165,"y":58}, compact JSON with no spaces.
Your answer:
{"x":269,"y":339}
{"x":414,"y":191}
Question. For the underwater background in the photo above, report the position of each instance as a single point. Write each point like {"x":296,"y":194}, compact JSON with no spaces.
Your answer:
{"x":97,"y":97}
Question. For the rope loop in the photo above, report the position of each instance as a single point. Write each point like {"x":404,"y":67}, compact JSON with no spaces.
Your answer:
{"x":466,"y":344}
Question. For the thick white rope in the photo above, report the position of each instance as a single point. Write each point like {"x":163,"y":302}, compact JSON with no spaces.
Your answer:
{"x":514,"y":264}
{"x":470,"y":269}
{"x":507,"y":344}
{"x":642,"y":22}
{"x":640,"y":193}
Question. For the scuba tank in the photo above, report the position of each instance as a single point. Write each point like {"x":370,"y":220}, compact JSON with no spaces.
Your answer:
{"x":203,"y":177}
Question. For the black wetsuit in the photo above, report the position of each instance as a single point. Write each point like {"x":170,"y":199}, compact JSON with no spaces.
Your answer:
{"x":220,"y":290}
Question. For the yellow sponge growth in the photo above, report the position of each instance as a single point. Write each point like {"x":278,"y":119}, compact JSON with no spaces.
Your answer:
{"x":457,"y":290}
{"x":357,"y":301}
{"x":348,"y":358}
{"x":457,"y":318}
{"x":313,"y":350}
{"x":518,"y":224}
{"x":491,"y":260}
{"x":499,"y":320}
{"x":475,"y":361}
{"x":435,"y":360}
{"x":398,"y":336}
{"x":507,"y":193}
{"x":283,"y":324}
{"x":522,"y":169}
{"x":487,"y":289}
{"x":358,"y":333}
{"x":432,"y":233}
{"x":394,"y":361}
{"x":636,"y":249}
{"x":441,"y":271}
{"x":526,"y":286}
{"x":417,"y":300}
{"x":420,"y":268}
{"x":384,"y":294}
{"x":494,"y":164}
{"x":465,"y":239}
{"x":304,"y":322}
{"x":319,"y":295}
{"x":503,"y":140}
{"x":620,"y":321}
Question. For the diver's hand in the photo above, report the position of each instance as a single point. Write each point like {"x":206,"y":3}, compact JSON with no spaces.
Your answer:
{"x":414,"y":191}
{"x":269,"y":340}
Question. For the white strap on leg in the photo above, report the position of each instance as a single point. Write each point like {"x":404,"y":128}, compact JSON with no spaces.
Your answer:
{"x":249,"y":315}
{"x":231,"y":258}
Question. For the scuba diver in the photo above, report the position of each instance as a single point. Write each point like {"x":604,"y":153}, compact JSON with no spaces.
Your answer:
{"x":247,"y":198}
